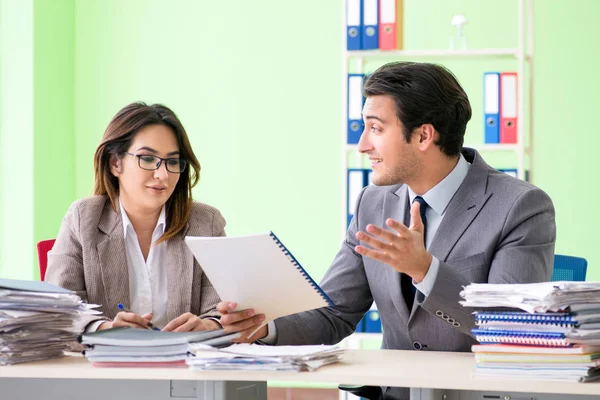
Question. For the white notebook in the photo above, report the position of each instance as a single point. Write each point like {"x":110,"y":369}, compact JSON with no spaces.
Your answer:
{"x":258,"y":272}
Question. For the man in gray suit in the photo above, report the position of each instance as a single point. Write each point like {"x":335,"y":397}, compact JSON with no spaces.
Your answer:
{"x":437,"y":219}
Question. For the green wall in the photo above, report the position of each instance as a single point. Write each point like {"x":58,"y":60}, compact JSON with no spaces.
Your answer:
{"x":54,"y":145}
{"x":16,"y":139}
{"x":256,"y":89}
{"x":258,"y":86}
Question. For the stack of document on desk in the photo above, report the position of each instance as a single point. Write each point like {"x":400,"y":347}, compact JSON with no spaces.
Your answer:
{"x":37,"y":320}
{"x":131,"y":347}
{"x":532,"y":297}
{"x":549,"y":331}
{"x":569,"y":364}
{"x":253,"y":357}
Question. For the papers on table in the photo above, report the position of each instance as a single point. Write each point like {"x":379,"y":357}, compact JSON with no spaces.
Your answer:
{"x":253,"y":357}
{"x":37,"y":320}
{"x":132,"y":347}
{"x":556,"y":337}
{"x":533,"y":297}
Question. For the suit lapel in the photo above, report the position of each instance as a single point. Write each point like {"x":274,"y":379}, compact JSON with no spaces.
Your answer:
{"x":180,"y":275}
{"x":463,"y":208}
{"x":395,"y":206}
{"x":113,"y":260}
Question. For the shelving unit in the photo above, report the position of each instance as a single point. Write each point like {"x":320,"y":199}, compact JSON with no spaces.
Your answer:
{"x":522,"y":54}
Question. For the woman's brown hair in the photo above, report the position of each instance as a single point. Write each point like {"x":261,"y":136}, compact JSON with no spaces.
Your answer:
{"x":117,"y":140}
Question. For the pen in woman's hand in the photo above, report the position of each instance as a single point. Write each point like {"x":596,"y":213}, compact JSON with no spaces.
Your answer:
{"x":123,"y":308}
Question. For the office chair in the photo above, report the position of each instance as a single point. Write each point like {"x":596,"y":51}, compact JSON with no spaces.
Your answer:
{"x":364,"y":392}
{"x":43,"y":247}
{"x":569,"y":268}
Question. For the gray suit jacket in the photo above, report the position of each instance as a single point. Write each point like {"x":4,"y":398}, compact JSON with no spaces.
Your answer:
{"x":497,"y":229}
{"x":89,"y":258}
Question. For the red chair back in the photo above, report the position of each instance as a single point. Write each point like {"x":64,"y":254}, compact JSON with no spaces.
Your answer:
{"x":43,"y":247}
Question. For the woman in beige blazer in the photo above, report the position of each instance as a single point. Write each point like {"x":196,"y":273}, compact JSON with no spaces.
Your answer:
{"x":125,"y":244}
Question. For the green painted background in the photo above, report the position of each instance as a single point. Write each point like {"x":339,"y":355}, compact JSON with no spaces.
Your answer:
{"x":258,"y":86}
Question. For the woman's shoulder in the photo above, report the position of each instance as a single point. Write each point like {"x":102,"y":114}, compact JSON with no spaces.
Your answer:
{"x":203,"y":216}
{"x":92,"y":204}
{"x":88,"y":210}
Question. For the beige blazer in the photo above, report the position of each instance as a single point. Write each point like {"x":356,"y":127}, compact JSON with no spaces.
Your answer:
{"x":89,"y":258}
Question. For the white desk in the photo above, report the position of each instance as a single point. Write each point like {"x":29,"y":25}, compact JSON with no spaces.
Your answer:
{"x":424,"y":369}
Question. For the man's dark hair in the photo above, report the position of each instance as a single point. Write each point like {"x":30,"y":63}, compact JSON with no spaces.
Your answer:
{"x":425,"y":94}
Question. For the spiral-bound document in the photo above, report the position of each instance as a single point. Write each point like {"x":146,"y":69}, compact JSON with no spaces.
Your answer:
{"x":258,"y":272}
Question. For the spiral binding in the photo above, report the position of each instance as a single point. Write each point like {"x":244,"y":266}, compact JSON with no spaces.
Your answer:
{"x":525,"y":317}
{"x":295,"y":262}
{"x":520,"y":337}
{"x":487,"y":339}
{"x":526,"y":324}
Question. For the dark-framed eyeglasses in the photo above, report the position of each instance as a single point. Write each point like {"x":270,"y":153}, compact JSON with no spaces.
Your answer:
{"x":152,"y":163}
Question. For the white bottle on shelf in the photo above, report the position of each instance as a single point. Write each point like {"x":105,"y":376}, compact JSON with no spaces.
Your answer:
{"x":458,"y":41}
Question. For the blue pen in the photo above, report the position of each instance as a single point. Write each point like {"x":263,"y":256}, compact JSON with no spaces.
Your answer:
{"x":122,"y":307}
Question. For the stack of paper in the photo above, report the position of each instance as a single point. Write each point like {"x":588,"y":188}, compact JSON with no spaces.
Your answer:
{"x":574,"y":364}
{"x":556,"y":337}
{"x":532,"y":297}
{"x":133,"y":347}
{"x":37,"y":320}
{"x":252,"y":357}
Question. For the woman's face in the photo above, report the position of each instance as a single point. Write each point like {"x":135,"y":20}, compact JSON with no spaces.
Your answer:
{"x":147,"y":190}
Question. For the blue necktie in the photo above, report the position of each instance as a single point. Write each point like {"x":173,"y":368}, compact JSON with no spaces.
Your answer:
{"x":408,"y":289}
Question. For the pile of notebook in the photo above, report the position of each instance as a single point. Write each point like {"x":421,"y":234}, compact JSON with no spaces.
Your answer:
{"x":131,"y":347}
{"x":253,"y":357}
{"x":547,"y":331}
{"x":37,"y":320}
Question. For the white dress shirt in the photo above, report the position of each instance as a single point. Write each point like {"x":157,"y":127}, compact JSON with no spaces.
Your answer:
{"x":147,"y":278}
{"x":438,"y":198}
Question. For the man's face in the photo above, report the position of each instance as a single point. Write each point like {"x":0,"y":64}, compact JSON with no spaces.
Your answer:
{"x":393,"y":160}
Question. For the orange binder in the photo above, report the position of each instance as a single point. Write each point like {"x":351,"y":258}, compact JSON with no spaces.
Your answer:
{"x":391,"y":24}
{"x":508,"y":107}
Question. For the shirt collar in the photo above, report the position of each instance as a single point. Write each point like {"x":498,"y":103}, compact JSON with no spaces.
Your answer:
{"x":439,"y":196}
{"x":160,"y":224}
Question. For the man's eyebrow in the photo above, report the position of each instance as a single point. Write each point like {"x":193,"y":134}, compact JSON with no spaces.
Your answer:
{"x":150,"y":149}
{"x":374,"y":117}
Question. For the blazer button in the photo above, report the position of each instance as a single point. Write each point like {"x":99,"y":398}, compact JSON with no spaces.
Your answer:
{"x":439,"y":313}
{"x":451,"y":320}
{"x":456,"y":324}
{"x":417,"y":346}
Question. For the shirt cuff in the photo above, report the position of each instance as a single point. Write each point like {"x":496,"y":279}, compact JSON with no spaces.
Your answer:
{"x":426,"y":285}
{"x":271,"y":337}
{"x":93,"y":326}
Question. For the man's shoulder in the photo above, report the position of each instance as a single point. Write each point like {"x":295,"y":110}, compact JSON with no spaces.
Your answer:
{"x":508,"y":187}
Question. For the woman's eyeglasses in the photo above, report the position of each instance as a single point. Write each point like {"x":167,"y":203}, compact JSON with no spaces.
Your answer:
{"x":152,"y":163}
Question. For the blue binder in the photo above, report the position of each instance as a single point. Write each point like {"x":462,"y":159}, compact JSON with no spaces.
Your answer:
{"x":357,"y":179}
{"x":353,"y":24}
{"x":514,"y":172}
{"x":561,"y":318}
{"x":372,"y":322}
{"x":355,"y":104}
{"x":491,"y":106}
{"x":370,"y":24}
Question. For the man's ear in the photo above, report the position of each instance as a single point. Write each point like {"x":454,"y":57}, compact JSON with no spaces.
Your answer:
{"x":426,"y":136}
{"x":115,"y":165}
